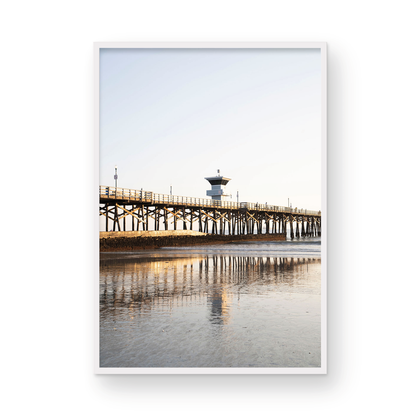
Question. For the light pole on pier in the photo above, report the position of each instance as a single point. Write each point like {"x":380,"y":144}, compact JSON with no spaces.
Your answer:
{"x":115,"y":175}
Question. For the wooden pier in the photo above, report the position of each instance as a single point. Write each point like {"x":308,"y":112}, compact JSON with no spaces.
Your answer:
{"x":138,"y":210}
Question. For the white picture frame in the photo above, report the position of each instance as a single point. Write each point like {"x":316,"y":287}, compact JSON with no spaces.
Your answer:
{"x":224,"y":45}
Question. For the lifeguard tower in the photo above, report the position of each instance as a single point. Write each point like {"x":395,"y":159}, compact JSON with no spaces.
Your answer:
{"x":218,"y":183}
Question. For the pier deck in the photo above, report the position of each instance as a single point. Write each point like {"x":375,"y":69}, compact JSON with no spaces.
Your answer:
{"x":148,"y":209}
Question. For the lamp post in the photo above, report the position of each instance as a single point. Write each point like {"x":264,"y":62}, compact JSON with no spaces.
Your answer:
{"x":115,"y":176}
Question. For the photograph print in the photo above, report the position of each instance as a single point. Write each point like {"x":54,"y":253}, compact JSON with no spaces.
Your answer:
{"x":212,"y":193}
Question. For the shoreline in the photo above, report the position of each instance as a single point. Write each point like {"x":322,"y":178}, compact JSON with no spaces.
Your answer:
{"x":125,"y":242}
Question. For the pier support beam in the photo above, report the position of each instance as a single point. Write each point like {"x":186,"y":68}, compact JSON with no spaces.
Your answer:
{"x":291,"y":228}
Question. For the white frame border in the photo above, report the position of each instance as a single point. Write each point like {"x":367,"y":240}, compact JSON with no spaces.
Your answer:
{"x":216,"y":45}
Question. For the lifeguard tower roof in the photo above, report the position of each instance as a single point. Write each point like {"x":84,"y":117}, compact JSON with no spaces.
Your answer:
{"x":218,"y":180}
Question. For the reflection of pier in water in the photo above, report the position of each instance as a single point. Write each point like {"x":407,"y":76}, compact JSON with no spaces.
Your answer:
{"x":163,"y":282}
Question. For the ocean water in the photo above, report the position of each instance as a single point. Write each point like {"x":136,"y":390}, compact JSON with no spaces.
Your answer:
{"x":256,"y":304}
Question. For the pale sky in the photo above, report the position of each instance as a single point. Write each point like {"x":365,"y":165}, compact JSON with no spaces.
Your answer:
{"x":175,"y":116}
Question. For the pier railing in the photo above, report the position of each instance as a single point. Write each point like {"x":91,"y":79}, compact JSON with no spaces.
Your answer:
{"x":109,"y":192}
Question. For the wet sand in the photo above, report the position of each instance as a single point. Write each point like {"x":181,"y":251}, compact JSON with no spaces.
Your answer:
{"x":211,"y":309}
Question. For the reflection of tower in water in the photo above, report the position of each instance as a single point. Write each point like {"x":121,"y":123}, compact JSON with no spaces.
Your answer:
{"x":218,"y":296}
{"x":220,"y":311}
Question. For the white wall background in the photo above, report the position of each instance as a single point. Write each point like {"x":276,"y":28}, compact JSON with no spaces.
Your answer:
{"x":47,"y":147}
